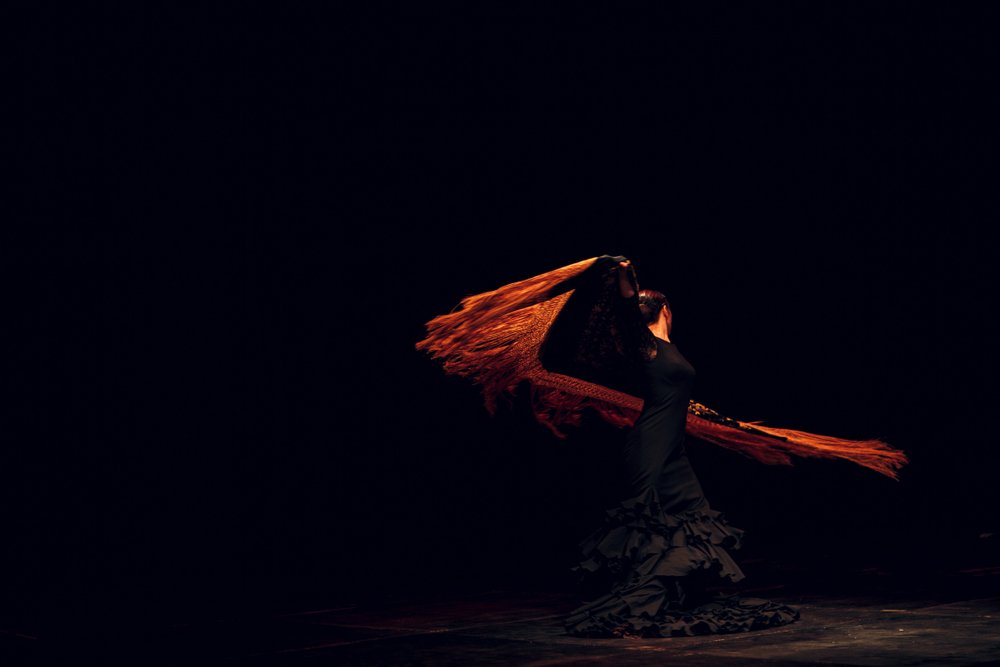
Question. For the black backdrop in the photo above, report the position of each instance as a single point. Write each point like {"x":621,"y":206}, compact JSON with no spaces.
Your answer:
{"x":234,"y":225}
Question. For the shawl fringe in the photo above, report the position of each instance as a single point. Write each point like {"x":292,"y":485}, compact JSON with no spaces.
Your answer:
{"x":493,"y":337}
{"x":772,"y":445}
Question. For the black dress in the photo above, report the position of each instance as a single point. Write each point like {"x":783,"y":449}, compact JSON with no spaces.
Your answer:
{"x":661,"y":547}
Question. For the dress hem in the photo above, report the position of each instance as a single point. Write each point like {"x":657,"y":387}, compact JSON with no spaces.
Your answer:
{"x":661,"y":565}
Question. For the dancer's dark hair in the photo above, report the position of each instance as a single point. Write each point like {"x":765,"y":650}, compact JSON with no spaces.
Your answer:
{"x":650,"y":303}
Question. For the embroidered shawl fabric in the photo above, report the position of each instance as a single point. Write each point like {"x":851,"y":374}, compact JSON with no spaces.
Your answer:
{"x":576,"y":341}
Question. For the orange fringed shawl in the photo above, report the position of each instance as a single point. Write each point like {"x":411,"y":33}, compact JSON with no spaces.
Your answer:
{"x":495,"y":337}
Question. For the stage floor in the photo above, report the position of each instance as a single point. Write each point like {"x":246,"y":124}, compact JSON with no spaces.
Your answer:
{"x":868,"y":617}
{"x":864,"y":617}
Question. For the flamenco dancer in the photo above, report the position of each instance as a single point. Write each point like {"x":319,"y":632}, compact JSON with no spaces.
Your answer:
{"x":585,"y":336}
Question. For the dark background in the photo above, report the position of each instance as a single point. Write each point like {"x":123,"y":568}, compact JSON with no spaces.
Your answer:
{"x":234,"y":223}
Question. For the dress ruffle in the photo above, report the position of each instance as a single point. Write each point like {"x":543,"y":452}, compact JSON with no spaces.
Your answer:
{"x":637,"y":537}
{"x":660,"y":565}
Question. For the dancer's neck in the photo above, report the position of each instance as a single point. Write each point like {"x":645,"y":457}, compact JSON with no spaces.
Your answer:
{"x":659,"y":329}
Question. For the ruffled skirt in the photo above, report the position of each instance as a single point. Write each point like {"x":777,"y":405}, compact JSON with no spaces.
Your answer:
{"x":659,"y":566}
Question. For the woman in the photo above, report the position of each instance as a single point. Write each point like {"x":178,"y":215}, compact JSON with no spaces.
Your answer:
{"x":583,"y":336}
{"x":665,"y":544}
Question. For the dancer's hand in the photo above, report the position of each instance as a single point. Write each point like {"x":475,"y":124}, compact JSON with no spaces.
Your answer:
{"x":627,"y":283}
